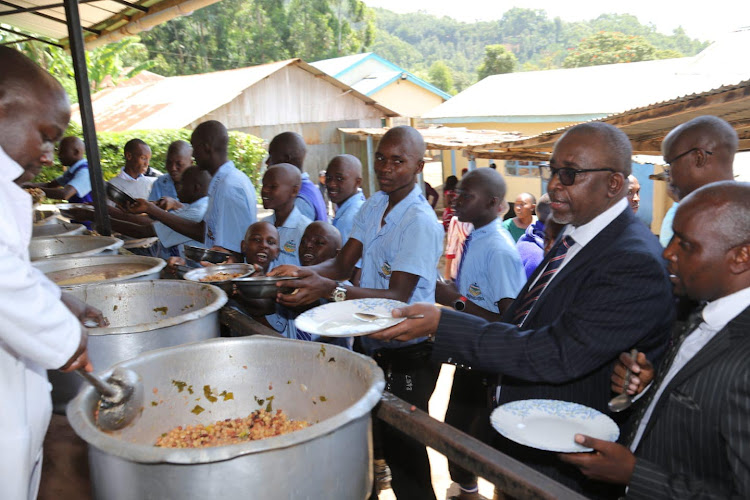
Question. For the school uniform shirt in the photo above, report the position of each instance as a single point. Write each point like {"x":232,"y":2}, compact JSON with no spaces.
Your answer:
{"x":410,"y":241}
{"x":344,"y":218}
{"x":290,"y":235}
{"x":169,"y":238}
{"x":77,"y":176}
{"x":163,"y":186}
{"x":37,"y":333}
{"x":140,"y":187}
{"x":491,"y":267}
{"x":231,"y":208}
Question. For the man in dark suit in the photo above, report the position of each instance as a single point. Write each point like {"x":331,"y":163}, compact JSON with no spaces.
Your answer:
{"x":601,"y":289}
{"x":693,"y":437}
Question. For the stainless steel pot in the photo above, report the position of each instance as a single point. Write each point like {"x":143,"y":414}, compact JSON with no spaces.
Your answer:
{"x":331,"y":387}
{"x":72,"y":246}
{"x":61,"y":228}
{"x":84,"y":271}
{"x":143,"y":316}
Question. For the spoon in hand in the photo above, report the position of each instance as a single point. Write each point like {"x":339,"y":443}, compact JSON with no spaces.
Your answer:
{"x":624,"y":400}
{"x":375,"y":317}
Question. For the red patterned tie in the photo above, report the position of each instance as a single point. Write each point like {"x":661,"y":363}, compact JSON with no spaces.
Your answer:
{"x":533,"y":294}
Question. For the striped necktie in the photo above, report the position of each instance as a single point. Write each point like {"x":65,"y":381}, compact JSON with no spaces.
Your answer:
{"x":531,"y":296}
{"x":464,"y":248}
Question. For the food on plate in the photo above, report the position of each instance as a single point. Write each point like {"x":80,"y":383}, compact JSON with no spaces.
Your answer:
{"x":37,"y":195}
{"x":221,"y":276}
{"x":92,"y":274}
{"x":258,"y":425}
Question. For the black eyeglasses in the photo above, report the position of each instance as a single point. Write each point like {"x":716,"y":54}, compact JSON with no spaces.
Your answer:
{"x":567,"y":175}
{"x":670,"y":162}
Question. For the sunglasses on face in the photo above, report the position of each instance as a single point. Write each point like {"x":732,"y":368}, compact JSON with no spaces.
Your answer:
{"x":567,"y":175}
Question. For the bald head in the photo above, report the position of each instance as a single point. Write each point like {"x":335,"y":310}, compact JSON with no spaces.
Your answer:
{"x":343,"y":178}
{"x":728,"y":203}
{"x":179,"y":157}
{"x":180,"y":148}
{"x":320,"y":242}
{"x":194,"y":184}
{"x":34,"y":112}
{"x":700,"y":151}
{"x":611,"y":143}
{"x":488,"y":180}
{"x":210,"y":141}
{"x":287,"y":147}
{"x":543,"y":210}
{"x":347,"y":163}
{"x":71,"y":150}
{"x":408,"y":137}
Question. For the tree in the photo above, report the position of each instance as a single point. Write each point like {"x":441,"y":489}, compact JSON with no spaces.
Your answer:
{"x":608,"y":47}
{"x":497,"y":60}
{"x":440,"y":76}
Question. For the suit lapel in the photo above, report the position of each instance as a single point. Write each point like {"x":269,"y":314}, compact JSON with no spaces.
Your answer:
{"x":736,"y":330}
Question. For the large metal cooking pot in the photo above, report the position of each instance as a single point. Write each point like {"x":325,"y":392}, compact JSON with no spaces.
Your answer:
{"x":331,"y":387}
{"x":143,"y":316}
{"x":83,"y":271}
{"x":61,"y":228}
{"x":72,"y":246}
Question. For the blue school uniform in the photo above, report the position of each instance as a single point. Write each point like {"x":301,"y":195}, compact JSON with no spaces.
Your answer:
{"x":491,"y":267}
{"x":290,"y":235}
{"x":78,"y":177}
{"x":231,"y":208}
{"x":410,"y":241}
{"x":163,"y":186}
{"x":170,"y":240}
{"x":344,"y":218}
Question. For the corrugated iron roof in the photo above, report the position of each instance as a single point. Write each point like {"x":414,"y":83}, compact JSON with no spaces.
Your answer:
{"x":173,"y":102}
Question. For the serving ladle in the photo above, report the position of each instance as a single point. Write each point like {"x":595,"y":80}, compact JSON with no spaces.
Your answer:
{"x":624,"y":400}
{"x":121,"y":398}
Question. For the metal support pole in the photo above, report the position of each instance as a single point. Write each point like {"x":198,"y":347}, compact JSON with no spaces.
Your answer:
{"x":77,"y":52}
{"x":472,"y":163}
{"x":453,"y":161}
{"x":343,"y":143}
{"x":370,"y":166}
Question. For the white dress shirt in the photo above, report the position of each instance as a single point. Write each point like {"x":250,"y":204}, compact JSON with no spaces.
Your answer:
{"x":716,"y":315}
{"x":37,"y":332}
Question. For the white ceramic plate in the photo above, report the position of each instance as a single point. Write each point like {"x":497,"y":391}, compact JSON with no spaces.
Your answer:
{"x":547,"y":424}
{"x":336,"y":319}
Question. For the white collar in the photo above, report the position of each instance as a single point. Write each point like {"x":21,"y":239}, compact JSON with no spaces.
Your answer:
{"x":721,"y":311}
{"x":587,"y":232}
{"x":11,"y":169}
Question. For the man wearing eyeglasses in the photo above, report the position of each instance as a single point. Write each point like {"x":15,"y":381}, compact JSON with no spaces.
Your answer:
{"x":602,"y":285}
{"x":698,"y":153}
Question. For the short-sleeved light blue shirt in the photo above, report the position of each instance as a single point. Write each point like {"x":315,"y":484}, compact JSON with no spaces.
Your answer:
{"x":163,"y":186}
{"x":290,"y":235}
{"x":491,"y":267}
{"x":78,"y":177}
{"x":304,"y":206}
{"x":231,"y":208}
{"x":410,"y":241}
{"x":169,"y":238}
{"x":344,"y":218}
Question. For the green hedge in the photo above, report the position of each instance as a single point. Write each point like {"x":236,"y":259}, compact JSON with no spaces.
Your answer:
{"x":244,"y":149}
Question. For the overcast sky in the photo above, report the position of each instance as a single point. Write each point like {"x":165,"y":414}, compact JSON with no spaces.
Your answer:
{"x":704,"y":20}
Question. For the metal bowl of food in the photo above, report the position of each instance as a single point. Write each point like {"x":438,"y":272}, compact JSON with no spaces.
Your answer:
{"x":262,"y":287}
{"x":58,"y":229}
{"x":199,"y":254}
{"x":221,"y":275}
{"x":77,"y":245}
{"x":80,"y":271}
{"x":332,"y":388}
{"x":119,"y":196}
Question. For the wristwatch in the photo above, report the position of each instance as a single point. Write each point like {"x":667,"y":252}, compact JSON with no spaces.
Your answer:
{"x":339,"y":293}
{"x":460,"y":304}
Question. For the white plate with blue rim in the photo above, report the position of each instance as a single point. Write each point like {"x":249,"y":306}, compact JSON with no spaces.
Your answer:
{"x":551,"y":425}
{"x":337,"y":319}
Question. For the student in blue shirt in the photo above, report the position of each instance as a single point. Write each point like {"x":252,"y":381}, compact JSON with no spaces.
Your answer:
{"x":399,"y":240}
{"x":231,"y":195}
{"x":74,"y":185}
{"x":343,"y":182}
{"x":179,"y":157}
{"x":290,"y":147}
{"x":280,"y":186}
{"x":192,"y":190}
{"x":490,"y":272}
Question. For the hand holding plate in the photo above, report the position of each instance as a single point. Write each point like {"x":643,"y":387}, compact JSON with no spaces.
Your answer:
{"x":412,"y":328}
{"x":609,"y":462}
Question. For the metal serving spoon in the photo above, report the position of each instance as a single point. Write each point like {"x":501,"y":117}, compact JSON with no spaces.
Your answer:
{"x":375,"y":317}
{"x":121,"y":398}
{"x":624,"y":400}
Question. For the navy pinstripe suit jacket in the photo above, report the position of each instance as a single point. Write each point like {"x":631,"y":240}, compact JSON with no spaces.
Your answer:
{"x":697,"y":441}
{"x":612,"y":296}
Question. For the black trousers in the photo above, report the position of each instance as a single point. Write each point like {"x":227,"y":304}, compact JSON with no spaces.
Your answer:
{"x":469,"y":411}
{"x":410,"y":375}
